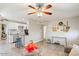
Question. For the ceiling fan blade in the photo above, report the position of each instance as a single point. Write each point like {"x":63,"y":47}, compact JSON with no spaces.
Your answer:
{"x":31,"y":7}
{"x":48,"y":6}
{"x":31,"y":13}
{"x":48,"y":13}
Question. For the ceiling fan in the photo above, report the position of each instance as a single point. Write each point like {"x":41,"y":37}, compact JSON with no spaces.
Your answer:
{"x":40,"y":9}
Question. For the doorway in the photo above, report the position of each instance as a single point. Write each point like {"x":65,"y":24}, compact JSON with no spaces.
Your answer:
{"x":44,"y":32}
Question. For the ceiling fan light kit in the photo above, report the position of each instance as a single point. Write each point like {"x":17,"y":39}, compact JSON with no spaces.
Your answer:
{"x":39,"y":9}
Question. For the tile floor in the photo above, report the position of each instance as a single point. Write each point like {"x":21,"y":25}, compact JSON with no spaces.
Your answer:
{"x":8,"y":49}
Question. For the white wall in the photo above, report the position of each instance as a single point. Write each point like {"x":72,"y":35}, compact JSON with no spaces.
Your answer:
{"x":35,"y":31}
{"x":73,"y":34}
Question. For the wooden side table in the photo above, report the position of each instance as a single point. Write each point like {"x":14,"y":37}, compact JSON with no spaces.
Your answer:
{"x":67,"y":49}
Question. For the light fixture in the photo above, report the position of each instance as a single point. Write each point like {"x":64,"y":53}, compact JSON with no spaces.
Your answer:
{"x":39,"y":14}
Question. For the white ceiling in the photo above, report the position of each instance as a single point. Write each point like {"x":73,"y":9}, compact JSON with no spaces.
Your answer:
{"x":18,"y":11}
